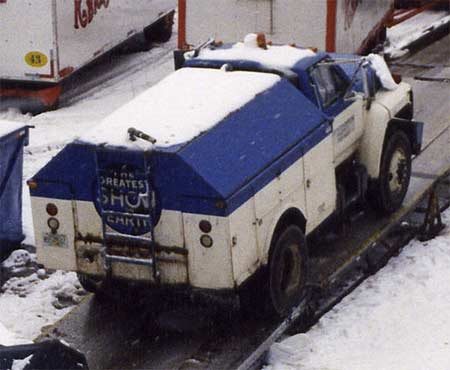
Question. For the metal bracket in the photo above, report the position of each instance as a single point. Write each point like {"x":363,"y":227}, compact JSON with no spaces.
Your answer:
{"x":432,"y":224}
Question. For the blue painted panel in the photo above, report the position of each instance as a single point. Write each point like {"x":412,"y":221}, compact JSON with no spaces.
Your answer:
{"x":249,"y":140}
{"x":11,"y":162}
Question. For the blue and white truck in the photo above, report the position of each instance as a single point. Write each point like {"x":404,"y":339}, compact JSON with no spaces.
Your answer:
{"x":224,"y":168}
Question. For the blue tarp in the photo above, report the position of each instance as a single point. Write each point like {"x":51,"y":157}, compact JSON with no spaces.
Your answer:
{"x":13,"y":137}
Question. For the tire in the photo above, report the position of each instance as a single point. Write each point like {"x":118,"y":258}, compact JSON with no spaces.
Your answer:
{"x":389,"y":191}
{"x":287,"y":271}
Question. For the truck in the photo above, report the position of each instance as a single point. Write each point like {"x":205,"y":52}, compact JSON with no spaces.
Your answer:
{"x":44,"y":42}
{"x":224,"y":169}
{"x":344,"y":26}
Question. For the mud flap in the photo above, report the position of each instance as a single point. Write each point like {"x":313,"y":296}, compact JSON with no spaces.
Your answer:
{"x":47,"y":355}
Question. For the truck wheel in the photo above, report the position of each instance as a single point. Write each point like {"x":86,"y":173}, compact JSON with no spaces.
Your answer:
{"x":287,"y":270}
{"x":395,"y":172}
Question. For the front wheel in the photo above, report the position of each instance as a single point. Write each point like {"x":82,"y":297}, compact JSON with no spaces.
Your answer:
{"x":389,"y":191}
{"x":287,"y":270}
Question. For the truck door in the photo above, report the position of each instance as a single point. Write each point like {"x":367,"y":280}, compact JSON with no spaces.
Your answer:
{"x":331,"y":85}
{"x":320,"y":179}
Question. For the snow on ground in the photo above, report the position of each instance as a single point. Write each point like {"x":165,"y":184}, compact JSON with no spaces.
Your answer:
{"x":32,"y":298}
{"x":398,"y":319}
{"x":402,"y":35}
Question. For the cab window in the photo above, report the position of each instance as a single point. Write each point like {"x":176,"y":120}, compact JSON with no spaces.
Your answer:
{"x":330,"y":85}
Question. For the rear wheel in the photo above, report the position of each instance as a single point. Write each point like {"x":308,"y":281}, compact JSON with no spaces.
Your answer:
{"x":287,"y":270}
{"x":389,"y":191}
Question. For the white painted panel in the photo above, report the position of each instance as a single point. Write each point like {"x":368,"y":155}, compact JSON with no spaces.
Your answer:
{"x":267,"y":198}
{"x":226,"y":20}
{"x":210,"y":268}
{"x":355,"y":19}
{"x":244,"y":246}
{"x":62,"y":258}
{"x":282,"y":193}
{"x":26,"y":26}
{"x":60,"y":30}
{"x":266,"y":226}
{"x":283,"y":21}
{"x":300,"y":21}
{"x":292,"y":179}
{"x":320,"y":183}
{"x":348,"y":128}
{"x":80,"y":42}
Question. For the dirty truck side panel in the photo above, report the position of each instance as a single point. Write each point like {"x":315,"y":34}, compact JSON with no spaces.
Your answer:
{"x":56,"y":249}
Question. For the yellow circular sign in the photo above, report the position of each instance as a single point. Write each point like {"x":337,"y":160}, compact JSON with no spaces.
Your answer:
{"x":36,"y":59}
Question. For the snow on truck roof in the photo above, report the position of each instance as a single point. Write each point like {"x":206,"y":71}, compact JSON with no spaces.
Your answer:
{"x":180,"y":107}
{"x":281,"y":56}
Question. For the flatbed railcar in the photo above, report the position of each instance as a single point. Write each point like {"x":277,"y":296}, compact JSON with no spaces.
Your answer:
{"x":224,"y":168}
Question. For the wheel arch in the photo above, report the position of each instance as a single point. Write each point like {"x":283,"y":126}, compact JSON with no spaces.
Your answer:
{"x":412,"y":129}
{"x":291,"y":216}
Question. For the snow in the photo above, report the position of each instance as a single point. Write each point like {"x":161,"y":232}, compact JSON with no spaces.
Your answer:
{"x":181,"y":107}
{"x":21,"y":364}
{"x":276,"y":56}
{"x":396,"y":319}
{"x":32,"y":299}
{"x":29,"y":303}
{"x":6,"y":127}
{"x":382,"y":71}
{"x":402,"y":35}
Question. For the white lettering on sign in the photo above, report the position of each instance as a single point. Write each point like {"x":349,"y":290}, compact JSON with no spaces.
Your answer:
{"x":122,"y":191}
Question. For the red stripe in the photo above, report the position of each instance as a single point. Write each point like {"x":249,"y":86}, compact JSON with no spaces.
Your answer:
{"x":182,"y":24}
{"x":330,"y":42}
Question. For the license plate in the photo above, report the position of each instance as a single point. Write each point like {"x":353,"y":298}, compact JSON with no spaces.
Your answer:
{"x":55,"y":240}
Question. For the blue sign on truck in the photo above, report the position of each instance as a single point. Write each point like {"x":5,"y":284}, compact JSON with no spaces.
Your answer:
{"x":13,"y":137}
